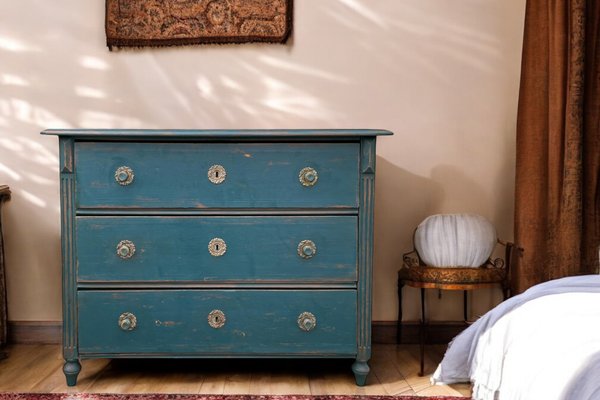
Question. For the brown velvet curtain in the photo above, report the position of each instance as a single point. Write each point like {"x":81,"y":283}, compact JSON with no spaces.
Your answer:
{"x":557,"y":216}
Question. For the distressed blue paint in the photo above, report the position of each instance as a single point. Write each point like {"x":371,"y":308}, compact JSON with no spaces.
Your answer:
{"x":171,"y":210}
{"x":174,"y":175}
{"x":69,"y":259}
{"x":258,"y":248}
{"x":257,"y":322}
{"x":365,"y":257}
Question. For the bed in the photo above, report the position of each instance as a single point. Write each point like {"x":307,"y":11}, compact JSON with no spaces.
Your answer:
{"x":541,"y":344}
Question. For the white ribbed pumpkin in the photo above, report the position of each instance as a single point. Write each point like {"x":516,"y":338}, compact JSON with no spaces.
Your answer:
{"x":455,"y":240}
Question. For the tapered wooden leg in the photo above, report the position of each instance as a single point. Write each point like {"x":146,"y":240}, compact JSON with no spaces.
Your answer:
{"x":71,"y":370}
{"x":505,"y":292}
{"x":399,"y":324}
{"x":422,"y":333}
{"x":361,"y":370}
{"x":465,"y":313}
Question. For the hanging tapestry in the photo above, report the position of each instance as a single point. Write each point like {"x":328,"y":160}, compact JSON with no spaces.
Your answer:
{"x":183,"y":22}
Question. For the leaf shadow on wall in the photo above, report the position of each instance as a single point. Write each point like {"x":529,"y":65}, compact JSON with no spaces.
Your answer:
{"x":417,"y":66}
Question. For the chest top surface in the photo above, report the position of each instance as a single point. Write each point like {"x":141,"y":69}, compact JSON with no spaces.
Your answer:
{"x":165,"y":134}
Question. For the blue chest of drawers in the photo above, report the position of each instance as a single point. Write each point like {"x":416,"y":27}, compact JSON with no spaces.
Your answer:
{"x":191,"y":243}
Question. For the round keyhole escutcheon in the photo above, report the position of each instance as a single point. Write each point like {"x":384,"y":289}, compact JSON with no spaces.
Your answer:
{"x":307,"y":249}
{"x":125,"y":249}
{"x":217,"y":174}
{"x":308,"y":176}
{"x":307,"y":321}
{"x":124,"y":176}
{"x":216,"y":319}
{"x":217,"y":247}
{"x":127,"y":321}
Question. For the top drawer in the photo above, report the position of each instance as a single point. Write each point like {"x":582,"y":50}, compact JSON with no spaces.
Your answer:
{"x":179,"y":175}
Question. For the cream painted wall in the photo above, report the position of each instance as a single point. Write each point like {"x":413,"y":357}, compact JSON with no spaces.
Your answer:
{"x":442,"y":75}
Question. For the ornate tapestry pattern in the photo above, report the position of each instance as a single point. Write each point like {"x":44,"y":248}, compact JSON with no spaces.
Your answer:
{"x":181,"y":22}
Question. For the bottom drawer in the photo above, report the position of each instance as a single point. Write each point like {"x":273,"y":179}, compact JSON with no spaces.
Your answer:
{"x":218,"y":322}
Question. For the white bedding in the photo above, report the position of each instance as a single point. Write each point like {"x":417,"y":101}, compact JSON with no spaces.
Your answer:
{"x":543,"y":344}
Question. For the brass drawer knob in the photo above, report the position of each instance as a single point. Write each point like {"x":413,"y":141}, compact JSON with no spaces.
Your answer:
{"x":217,"y":247}
{"x":217,"y":174}
{"x":307,"y":249}
{"x":127,"y":321}
{"x":308,"y":176}
{"x":124,"y":175}
{"x":216,"y":319}
{"x":307,"y":321}
{"x":125,"y":249}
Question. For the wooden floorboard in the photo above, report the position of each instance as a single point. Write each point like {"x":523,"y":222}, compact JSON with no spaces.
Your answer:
{"x":394,"y":371}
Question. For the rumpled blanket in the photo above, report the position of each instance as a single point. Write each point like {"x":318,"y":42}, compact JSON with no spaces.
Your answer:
{"x":543,"y":343}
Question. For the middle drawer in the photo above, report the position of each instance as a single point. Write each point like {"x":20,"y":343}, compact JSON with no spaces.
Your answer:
{"x":217,"y":249}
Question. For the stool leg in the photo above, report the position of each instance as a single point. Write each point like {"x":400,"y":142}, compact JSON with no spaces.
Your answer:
{"x":399,"y":325}
{"x":465,"y":314}
{"x":505,"y":292}
{"x":422,"y":333}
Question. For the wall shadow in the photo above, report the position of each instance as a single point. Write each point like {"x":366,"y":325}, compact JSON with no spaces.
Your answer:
{"x":403,"y":200}
{"x":443,"y":76}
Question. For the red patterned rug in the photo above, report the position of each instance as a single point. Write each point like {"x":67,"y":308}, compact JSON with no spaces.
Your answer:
{"x":82,"y":396}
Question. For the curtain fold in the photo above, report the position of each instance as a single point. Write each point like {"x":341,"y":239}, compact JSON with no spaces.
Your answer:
{"x":591,"y":143}
{"x":557,"y":197}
